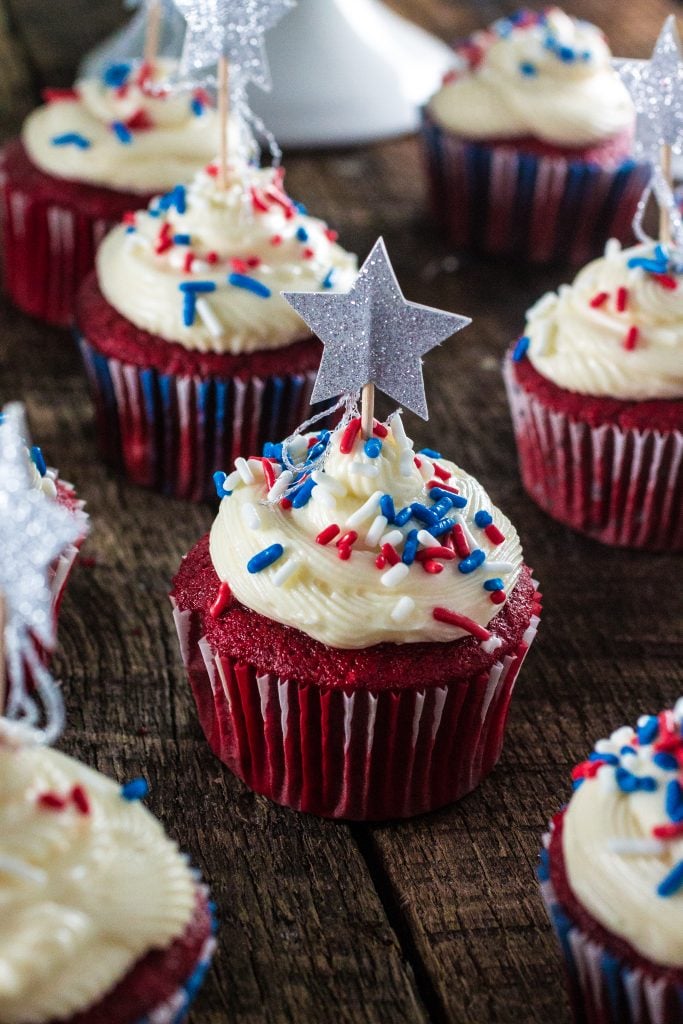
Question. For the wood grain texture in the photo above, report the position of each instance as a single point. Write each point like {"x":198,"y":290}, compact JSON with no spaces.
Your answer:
{"x":436,"y":920}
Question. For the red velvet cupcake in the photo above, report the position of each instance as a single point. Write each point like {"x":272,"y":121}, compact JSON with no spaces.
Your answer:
{"x":191,"y":353}
{"x":528,"y":142}
{"x":353,"y":634}
{"x":612,"y":877}
{"x":87,"y":156}
{"x":596,"y":391}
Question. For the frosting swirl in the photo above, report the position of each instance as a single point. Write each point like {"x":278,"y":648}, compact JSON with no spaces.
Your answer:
{"x":617,"y":330}
{"x":547,"y":76}
{"x":125,"y":131}
{"x":376,"y":544}
{"x":622,"y":837}
{"x":89,"y":883}
{"x":204,"y":266}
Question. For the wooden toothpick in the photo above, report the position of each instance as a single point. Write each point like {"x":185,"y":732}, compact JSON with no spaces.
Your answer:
{"x":152,"y":33}
{"x":223,"y":116}
{"x":664,"y":215}
{"x":367,"y":410}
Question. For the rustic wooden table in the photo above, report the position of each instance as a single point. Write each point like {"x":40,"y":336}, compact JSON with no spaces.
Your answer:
{"x":433,"y":920}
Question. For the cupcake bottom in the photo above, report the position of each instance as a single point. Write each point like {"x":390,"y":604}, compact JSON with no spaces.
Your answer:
{"x":168,"y":418}
{"x":64,"y":563}
{"x":524,"y":200}
{"x":392,"y":731}
{"x":160,"y":988}
{"x":608,"y":981}
{"x":608,"y":468}
{"x":51,"y":229}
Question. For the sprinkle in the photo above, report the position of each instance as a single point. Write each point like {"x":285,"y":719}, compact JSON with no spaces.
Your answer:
{"x":472,"y":562}
{"x":430,"y":453}
{"x":667,"y":762}
{"x":423,"y":514}
{"x":302,"y":234}
{"x":52,"y":801}
{"x":331,"y":235}
{"x":71,"y":139}
{"x":366,"y":511}
{"x":483,"y":518}
{"x":462,"y":622}
{"x":444,"y":506}
{"x":622,"y":299}
{"x":494,"y":534}
{"x":285,"y":572}
{"x":491,"y":645}
{"x":196,"y":106}
{"x":38,"y":460}
{"x":672,"y":882}
{"x":498,"y":597}
{"x":181,"y":239}
{"x":668,"y":831}
{"x":328,"y":280}
{"x":402,"y":517}
{"x":439,"y":485}
{"x":427,"y":539}
{"x":209,"y":318}
{"x":347,"y":539}
{"x":276,"y":240}
{"x":528,"y":69}
{"x":348,"y":438}
{"x":442,"y":473}
{"x":80,"y":800}
{"x":219,"y":479}
{"x":439,"y":494}
{"x":265,"y":558}
{"x":373,"y":447}
{"x":520,"y":349}
{"x":392,"y":537}
{"x":136,"y":789}
{"x":211,"y":258}
{"x":410,"y":548}
{"x":374,"y":534}
{"x":674,"y":800}
{"x":223,"y":599}
{"x":666,"y":281}
{"x":386,"y":504}
{"x":328,"y":534}
{"x":500,"y":567}
{"x":249,"y":285}
{"x":599,"y":300}
{"x":59,"y":95}
{"x":635,"y":847}
{"x":648,"y":728}
{"x":398,"y":430}
{"x":250,"y":516}
{"x":432,"y":567}
{"x":444,"y":526}
{"x":281,"y":485}
{"x":380,"y":562}
{"x":404,"y":607}
{"x":302,"y":496}
{"x":428,"y":554}
{"x":391,"y":554}
{"x":200,"y":287}
{"x":494,"y":584}
{"x":392,"y":577}
{"x":631,"y":339}
{"x":630,"y":783}
{"x":461,"y":545}
{"x":406,"y":462}
{"x":116,"y":75}
{"x":244,"y":470}
{"x":121,"y":132}
{"x":380,"y":430}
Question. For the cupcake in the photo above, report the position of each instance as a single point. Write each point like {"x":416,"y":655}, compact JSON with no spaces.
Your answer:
{"x":596,"y":391}
{"x":352,"y":633}
{"x":85,"y":158}
{"x":612,"y":877}
{"x":192,"y":354}
{"x":103,"y":921}
{"x":529,"y":139}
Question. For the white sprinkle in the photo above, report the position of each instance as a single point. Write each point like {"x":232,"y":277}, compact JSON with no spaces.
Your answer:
{"x":635,"y":847}
{"x":280,"y":485}
{"x":460,"y":520}
{"x":242,"y":467}
{"x":209,"y":318}
{"x":607,"y":778}
{"x":27,"y":872}
{"x":200,"y":266}
{"x":324,"y":497}
{"x":250,"y":516}
{"x":297,"y":446}
{"x":427,"y":540}
{"x":612,"y":247}
{"x":393,"y":537}
{"x":623,"y":736}
{"x":379,"y":525}
{"x":334,"y":486}
{"x":491,"y":645}
{"x":604,"y":747}
{"x":256,"y":466}
{"x":285,"y":572}
{"x":392,"y":577}
{"x":426,"y":468}
{"x":404,"y":607}
{"x":499,"y":568}
{"x":365,"y":512}
{"x":364,"y":469}
{"x":678,"y":711}
{"x":232,"y":480}
{"x":407,"y":462}
{"x":398,"y":430}
{"x":542,"y":335}
{"x":176,"y":258}
{"x":629,"y":761}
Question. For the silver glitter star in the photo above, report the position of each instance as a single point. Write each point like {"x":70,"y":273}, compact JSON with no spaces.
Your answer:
{"x":233,"y":29}
{"x":35,"y":529}
{"x":373,"y":335}
{"x":656,"y":88}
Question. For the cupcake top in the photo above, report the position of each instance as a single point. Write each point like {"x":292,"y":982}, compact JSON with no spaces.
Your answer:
{"x":125,"y":130}
{"x":359,"y":542}
{"x":622,"y":835}
{"x":617,"y":331}
{"x":542,"y":75}
{"x":89,"y":884}
{"x":204,"y":265}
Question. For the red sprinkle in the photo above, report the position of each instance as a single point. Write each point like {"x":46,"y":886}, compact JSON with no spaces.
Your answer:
{"x":308,"y":253}
{"x":52,"y":801}
{"x":253,"y":262}
{"x":331,"y":235}
{"x":380,"y":561}
{"x":285,"y":503}
{"x":129,"y":218}
{"x":59,"y":95}
{"x":328,"y":534}
{"x":434,"y":568}
{"x":223,"y":599}
{"x":276,"y":240}
{"x":586,"y":769}
{"x":669,"y":831}
{"x":144,"y":74}
{"x":188,"y":261}
{"x":391,"y":554}
{"x":212,"y":170}
{"x":666,"y":281}
{"x":631,"y":339}
{"x":455,"y":619}
{"x":418,"y":462}
{"x":344,"y":552}
{"x":599,"y":300}
{"x":494,"y":534}
{"x":442,"y":473}
{"x":268,"y":472}
{"x":622,"y":299}
{"x":347,"y":539}
{"x":427,"y":554}
{"x":460,"y":541}
{"x":379,"y":430}
{"x":348,"y":438}
{"x":139,"y":122}
{"x":79,"y":798}
{"x":212,"y":258}
{"x":443,"y":486}
{"x":239,"y":266}
{"x":258,"y":201}
{"x":497,"y":597}
{"x":450,"y":76}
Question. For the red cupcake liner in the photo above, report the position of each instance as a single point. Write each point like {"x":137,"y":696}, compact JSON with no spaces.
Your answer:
{"x":603,"y":986}
{"x":172,"y":432}
{"x":361,"y":754}
{"x":497,"y":199}
{"x":621,"y":486}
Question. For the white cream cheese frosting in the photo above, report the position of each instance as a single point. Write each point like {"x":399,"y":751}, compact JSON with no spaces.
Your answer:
{"x":548,"y":76}
{"x":137,"y":136}
{"x":617,"y":331}
{"x":622,"y":838}
{"x":89,"y":883}
{"x":205,"y":265}
{"x":360,"y":557}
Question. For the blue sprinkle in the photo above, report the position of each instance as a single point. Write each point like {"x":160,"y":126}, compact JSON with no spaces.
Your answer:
{"x":272,"y":451}
{"x":71,"y":139}
{"x":188,"y":308}
{"x":576,"y":783}
{"x":652,"y":266}
{"x":483,"y":519}
{"x":586,"y":56}
{"x":301,"y":208}
{"x":302,"y":234}
{"x":666,"y":761}
{"x":627,"y":750}
{"x":38,"y":460}
{"x":494,"y":584}
{"x":197,"y":286}
{"x":410,"y":548}
{"x":521,"y":349}
{"x":130,"y":230}
{"x":386,"y":507}
{"x":196,"y":106}
{"x":528,"y":69}
{"x":648,"y":732}
{"x":136,"y":789}
{"x":672,"y":882}
{"x":303,"y":495}
{"x":473,"y":561}
{"x":543,"y":870}
{"x":328,"y":280}
{"x":442,"y":527}
{"x":182,"y":239}
{"x":430,"y":453}
{"x":116,"y":75}
{"x":674,"y":801}
{"x":607,"y":758}
{"x":423,"y":514}
{"x":630,"y":783}
{"x":179,"y":198}
{"x":373,"y":447}
{"x":122,"y":133}
{"x":219,"y":479}
{"x":402,"y":517}
{"x":442,"y":507}
{"x":318,"y":449}
{"x":456,"y":500}
{"x":249,"y":285}
{"x":566,"y":54}
{"x":265,"y":558}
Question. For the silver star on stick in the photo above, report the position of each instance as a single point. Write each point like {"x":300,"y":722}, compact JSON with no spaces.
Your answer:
{"x":656,"y":88}
{"x":373,"y":335}
{"x":35,"y":529}
{"x":232,"y":29}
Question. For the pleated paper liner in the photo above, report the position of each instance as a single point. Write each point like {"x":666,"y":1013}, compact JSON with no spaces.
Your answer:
{"x":622,"y":487}
{"x":493,"y":198}
{"x":354,"y":754}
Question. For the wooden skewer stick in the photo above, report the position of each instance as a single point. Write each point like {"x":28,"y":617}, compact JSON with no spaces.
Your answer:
{"x":367,"y":410}
{"x":153,"y":32}
{"x":664,"y":216}
{"x":223,"y":115}
{"x":3,"y":667}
